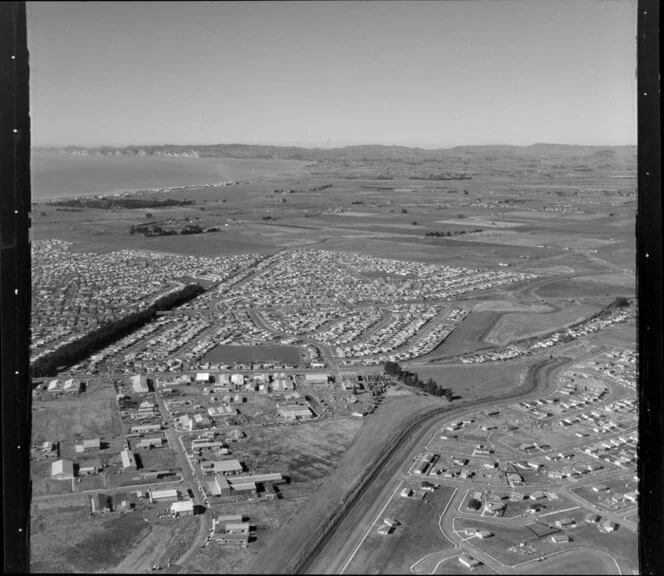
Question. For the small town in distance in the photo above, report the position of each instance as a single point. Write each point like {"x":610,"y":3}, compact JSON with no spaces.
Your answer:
{"x":207,"y":403}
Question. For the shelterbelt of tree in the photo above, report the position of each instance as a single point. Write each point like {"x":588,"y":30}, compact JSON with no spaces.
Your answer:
{"x":108,"y":333}
{"x":387,"y":463}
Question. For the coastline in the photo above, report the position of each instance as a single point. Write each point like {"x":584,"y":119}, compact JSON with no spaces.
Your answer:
{"x":141,"y":191}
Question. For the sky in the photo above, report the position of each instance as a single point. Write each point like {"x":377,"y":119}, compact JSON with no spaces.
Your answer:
{"x":429,"y":74}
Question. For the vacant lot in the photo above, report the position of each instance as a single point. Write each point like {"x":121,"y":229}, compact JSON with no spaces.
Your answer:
{"x":417,"y":536}
{"x":70,"y":540}
{"x":166,"y":541}
{"x":228,"y":354}
{"x":85,"y":416}
{"x":303,"y":452}
{"x":467,"y":336}
{"x":578,"y":561}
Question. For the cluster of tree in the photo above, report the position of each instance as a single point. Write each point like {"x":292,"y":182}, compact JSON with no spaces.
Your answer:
{"x":296,"y":191}
{"x":413,"y":380}
{"x":619,"y":302}
{"x":440,"y":234}
{"x":121,"y":202}
{"x":442,"y":177}
{"x":157,"y":230}
{"x":108,"y":333}
{"x":358,"y":202}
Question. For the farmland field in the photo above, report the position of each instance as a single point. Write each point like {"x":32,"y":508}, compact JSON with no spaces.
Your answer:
{"x":245,"y":354}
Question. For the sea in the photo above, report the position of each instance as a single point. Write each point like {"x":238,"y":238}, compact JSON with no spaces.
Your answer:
{"x":62,"y":176}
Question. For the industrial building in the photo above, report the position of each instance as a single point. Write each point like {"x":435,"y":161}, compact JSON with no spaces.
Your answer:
{"x":224,"y":467}
{"x":139,"y":384}
{"x":316,"y":378}
{"x":161,"y":495}
{"x":88,"y":467}
{"x":295,"y":412}
{"x":183,"y":508}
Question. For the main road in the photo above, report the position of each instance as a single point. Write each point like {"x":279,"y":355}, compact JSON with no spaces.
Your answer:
{"x":336,"y":541}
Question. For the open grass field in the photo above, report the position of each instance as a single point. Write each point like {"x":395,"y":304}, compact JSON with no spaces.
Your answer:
{"x":229,"y":354}
{"x":474,"y":381}
{"x":522,"y":325}
{"x":416,"y":537}
{"x":512,"y":307}
{"x":467,"y":336}
{"x":577,"y":561}
{"x":575,"y":289}
{"x":76,"y":418}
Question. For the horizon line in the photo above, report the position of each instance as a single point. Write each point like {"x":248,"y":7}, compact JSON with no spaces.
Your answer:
{"x":328,"y":147}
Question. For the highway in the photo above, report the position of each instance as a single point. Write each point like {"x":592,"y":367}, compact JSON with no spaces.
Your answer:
{"x":336,"y":550}
{"x":331,"y":552}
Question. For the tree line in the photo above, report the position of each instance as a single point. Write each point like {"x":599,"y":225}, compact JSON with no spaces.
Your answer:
{"x":439,"y":234}
{"x":108,"y":333}
{"x":413,"y":380}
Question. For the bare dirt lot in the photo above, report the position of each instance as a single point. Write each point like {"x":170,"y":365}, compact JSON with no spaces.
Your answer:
{"x":84,"y":416}
{"x":68,"y":539}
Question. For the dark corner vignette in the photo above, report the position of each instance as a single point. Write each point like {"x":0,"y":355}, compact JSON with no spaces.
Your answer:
{"x":649,"y":291}
{"x":15,"y":284}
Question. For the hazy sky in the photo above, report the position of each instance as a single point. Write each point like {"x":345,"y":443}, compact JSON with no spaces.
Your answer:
{"x":305,"y":73}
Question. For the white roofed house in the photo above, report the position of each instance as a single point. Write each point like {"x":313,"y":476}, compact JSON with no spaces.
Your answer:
{"x":72,"y":386}
{"x":54,"y":386}
{"x":203,"y":377}
{"x":62,"y":469}
{"x":127,"y":459}
{"x":237,"y":379}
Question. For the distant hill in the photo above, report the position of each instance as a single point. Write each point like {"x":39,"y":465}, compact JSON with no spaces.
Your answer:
{"x":362,"y":153}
